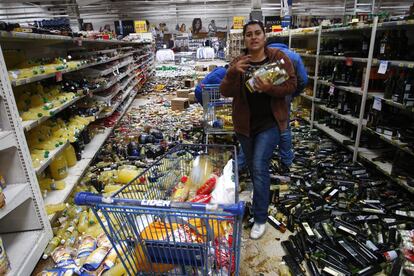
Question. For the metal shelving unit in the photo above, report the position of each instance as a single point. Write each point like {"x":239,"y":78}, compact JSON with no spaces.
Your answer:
{"x":24,"y":225}
{"x":359,"y":152}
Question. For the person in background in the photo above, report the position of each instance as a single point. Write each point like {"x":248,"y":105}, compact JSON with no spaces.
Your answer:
{"x":258,"y":117}
{"x":285,"y":143}
{"x":214,"y":77}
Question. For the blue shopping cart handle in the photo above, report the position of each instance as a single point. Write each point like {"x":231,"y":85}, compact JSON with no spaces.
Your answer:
{"x":86,"y":198}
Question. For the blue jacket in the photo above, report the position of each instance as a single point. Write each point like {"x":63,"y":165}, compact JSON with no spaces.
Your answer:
{"x":214,"y":77}
{"x":300,"y":69}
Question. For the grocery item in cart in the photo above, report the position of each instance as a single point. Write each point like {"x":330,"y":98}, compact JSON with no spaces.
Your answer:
{"x":201,"y":171}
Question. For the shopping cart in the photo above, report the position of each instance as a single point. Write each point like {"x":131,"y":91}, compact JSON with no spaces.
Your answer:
{"x":217,"y":112}
{"x":152,"y":235}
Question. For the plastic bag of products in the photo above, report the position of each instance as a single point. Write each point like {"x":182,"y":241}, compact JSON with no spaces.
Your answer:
{"x":274,"y":72}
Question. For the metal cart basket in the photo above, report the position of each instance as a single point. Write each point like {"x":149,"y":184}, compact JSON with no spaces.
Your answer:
{"x":217,"y":111}
{"x":155,"y":236}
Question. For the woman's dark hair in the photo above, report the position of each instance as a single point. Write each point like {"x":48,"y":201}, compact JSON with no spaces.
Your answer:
{"x":195,"y":20}
{"x":253,"y":22}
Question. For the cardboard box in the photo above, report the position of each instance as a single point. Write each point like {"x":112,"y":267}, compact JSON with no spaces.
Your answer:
{"x":211,"y":67}
{"x":179,"y":104}
{"x":183,"y":93}
{"x":199,"y":79}
{"x":191,"y":97}
{"x":200,"y":68}
{"x":189,"y":83}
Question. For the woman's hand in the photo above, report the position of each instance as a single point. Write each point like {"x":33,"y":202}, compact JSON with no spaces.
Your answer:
{"x":262,"y":85}
{"x":242,"y":64}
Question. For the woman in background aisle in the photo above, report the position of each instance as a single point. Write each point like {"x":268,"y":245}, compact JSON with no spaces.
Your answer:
{"x":258,"y":117}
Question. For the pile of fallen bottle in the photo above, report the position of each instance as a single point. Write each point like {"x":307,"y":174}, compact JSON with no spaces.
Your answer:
{"x":146,"y":131}
{"x":348,"y":219}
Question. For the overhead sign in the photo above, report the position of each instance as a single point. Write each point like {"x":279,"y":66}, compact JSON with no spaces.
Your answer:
{"x":271,"y":21}
{"x":140,"y":26}
{"x":238,"y":22}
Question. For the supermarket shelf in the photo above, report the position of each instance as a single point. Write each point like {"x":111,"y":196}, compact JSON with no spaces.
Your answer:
{"x":74,"y":175}
{"x":396,"y":23}
{"x":28,"y":125}
{"x":127,"y":82}
{"x":15,"y":195}
{"x":51,"y":75}
{"x":340,"y":138}
{"x":307,"y":55}
{"x":76,"y":172}
{"x":52,"y":155}
{"x":117,"y":104}
{"x":390,"y":102}
{"x":333,"y":28}
{"x":397,"y":63}
{"x":7,"y":140}
{"x":356,"y":59}
{"x":310,"y":98}
{"x":126,"y":93}
{"x":385,"y":167}
{"x":19,"y":36}
{"x":23,"y":250}
{"x":394,"y":142}
{"x":351,"y":89}
{"x":347,"y":118}
{"x":100,"y":52}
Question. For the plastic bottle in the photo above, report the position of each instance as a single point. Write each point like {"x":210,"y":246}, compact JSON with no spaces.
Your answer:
{"x":53,"y":208}
{"x":59,"y":168}
{"x":71,"y":240}
{"x":94,"y":230}
{"x":51,"y":185}
{"x":70,"y":156}
{"x":54,"y":242}
{"x":83,"y":222}
{"x":116,"y":270}
{"x":92,"y":218}
{"x":126,"y":174}
{"x":111,"y":188}
{"x":73,"y":211}
{"x":284,"y":269}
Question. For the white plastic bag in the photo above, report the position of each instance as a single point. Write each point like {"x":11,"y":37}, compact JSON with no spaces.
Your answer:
{"x":225,"y":190}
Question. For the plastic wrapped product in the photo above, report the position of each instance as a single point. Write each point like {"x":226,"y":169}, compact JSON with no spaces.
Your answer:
{"x":86,"y":247}
{"x":4,"y":261}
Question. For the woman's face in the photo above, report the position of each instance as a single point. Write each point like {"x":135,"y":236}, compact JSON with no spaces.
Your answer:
{"x":197,"y":24}
{"x":254,"y":38}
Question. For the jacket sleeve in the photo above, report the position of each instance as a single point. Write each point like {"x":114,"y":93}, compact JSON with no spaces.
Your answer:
{"x":289,"y":86}
{"x":229,"y":82}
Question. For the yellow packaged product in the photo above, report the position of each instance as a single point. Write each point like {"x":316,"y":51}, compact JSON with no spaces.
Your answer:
{"x":4,"y":260}
{"x":70,"y":156}
{"x":59,"y":168}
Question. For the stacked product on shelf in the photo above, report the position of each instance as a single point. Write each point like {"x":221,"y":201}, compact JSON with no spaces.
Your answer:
{"x":51,"y":103}
{"x":363,"y":92}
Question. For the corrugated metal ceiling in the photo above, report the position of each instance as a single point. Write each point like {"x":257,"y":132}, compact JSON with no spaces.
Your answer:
{"x":129,"y":9}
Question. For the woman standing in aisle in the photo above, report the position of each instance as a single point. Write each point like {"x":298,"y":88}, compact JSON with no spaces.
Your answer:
{"x":258,"y":117}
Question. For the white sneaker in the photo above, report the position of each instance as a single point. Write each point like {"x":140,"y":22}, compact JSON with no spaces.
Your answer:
{"x":257,"y":231}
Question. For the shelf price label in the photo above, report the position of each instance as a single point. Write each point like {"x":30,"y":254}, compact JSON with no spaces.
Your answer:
{"x":383,"y":67}
{"x":58,"y":76}
{"x":331,"y":90}
{"x":377,"y":105}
